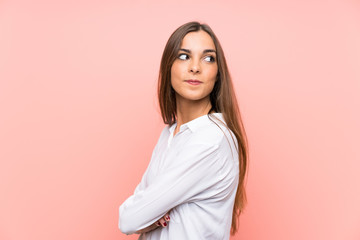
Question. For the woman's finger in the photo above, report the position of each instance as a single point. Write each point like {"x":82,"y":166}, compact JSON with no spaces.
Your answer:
{"x":163,"y":222}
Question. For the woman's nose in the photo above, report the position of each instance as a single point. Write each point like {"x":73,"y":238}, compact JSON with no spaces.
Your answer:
{"x":194,"y":67}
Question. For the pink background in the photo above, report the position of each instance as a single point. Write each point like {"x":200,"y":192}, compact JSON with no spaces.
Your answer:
{"x":79,"y":115}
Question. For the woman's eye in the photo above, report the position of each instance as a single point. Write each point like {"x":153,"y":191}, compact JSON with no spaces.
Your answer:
{"x":183,"y":56}
{"x":209,"y":58}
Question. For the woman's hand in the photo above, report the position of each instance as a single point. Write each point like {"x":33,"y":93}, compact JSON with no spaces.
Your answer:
{"x":161,"y":222}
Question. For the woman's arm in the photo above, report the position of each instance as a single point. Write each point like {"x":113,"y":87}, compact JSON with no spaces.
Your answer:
{"x":161,"y":222}
{"x":189,"y":174}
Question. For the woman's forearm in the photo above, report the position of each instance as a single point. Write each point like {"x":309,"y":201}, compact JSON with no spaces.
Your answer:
{"x":161,"y":222}
{"x":147,"y":229}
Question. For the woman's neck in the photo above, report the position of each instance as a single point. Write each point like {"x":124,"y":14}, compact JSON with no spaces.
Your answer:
{"x":187,"y":110}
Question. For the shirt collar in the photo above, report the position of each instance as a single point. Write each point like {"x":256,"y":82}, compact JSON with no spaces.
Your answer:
{"x":194,"y":124}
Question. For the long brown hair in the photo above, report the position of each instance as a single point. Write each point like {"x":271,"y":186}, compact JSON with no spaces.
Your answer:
{"x":222,"y":97}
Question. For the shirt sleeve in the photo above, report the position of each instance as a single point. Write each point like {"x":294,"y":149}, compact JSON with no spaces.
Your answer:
{"x":190,"y":174}
{"x":142,"y":183}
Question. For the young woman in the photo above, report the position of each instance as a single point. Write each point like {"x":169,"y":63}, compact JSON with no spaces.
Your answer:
{"x":194,"y":185}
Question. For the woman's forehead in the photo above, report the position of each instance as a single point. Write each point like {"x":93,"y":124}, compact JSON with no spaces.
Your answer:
{"x":197,"y":41}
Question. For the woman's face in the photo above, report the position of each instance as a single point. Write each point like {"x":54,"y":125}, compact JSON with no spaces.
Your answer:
{"x":196,"y":60}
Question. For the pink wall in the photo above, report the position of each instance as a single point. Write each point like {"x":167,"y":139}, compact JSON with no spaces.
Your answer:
{"x":79,"y":115}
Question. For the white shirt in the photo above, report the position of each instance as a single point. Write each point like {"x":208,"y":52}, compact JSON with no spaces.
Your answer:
{"x":195,"y":175}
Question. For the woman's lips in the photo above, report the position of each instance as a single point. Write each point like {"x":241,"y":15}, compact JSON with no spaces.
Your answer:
{"x":193,"y":82}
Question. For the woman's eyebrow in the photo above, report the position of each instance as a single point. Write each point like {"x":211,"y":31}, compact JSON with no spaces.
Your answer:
{"x":205,"y":51}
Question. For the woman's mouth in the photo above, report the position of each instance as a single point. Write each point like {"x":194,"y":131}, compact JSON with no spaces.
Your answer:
{"x":193,"y":81}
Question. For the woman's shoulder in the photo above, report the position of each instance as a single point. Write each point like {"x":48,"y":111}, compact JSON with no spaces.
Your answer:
{"x":165,"y":132}
{"x":216,"y":133}
{"x":212,"y":133}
